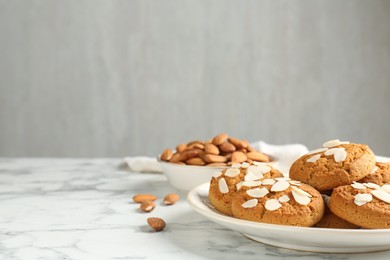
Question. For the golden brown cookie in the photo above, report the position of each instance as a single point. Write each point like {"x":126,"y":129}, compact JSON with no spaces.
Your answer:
{"x":224,"y":184}
{"x":380,"y":175}
{"x":337,"y":164}
{"x":279,"y":201}
{"x":330,"y":220}
{"x":363,"y":204}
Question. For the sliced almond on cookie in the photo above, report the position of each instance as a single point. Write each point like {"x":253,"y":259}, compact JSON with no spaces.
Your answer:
{"x":362,"y":198}
{"x":257,"y":193}
{"x":272,"y":204}
{"x":340,"y":156}
{"x":250,"y":203}
{"x":314,"y":158}
{"x":268,"y":182}
{"x":319,"y":150}
{"x":280,"y":186}
{"x":333,"y":143}
{"x":222,"y":185}
{"x":382,"y":195}
{"x":358,"y":186}
{"x":232,"y":172}
{"x":284,"y":198}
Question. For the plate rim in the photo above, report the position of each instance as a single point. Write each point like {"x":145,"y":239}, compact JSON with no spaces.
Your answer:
{"x":194,"y":195}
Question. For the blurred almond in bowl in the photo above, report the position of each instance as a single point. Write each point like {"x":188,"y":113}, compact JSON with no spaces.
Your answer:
{"x":195,"y":162}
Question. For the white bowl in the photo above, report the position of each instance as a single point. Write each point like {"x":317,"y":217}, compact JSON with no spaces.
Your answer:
{"x":186,"y":177}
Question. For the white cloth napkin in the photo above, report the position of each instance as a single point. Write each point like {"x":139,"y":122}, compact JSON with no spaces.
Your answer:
{"x":286,"y":154}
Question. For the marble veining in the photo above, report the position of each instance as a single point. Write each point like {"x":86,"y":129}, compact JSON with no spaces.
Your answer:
{"x":82,"y":209}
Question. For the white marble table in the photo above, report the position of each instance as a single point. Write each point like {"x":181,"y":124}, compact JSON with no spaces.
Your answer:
{"x":82,"y":209}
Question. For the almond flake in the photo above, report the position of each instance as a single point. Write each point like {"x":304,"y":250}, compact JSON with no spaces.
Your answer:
{"x":268,"y":182}
{"x":255,"y":170}
{"x":282,"y":179}
{"x":333,"y":143}
{"x":284,"y":198}
{"x":251,"y":177}
{"x":299,"y":198}
{"x":257,"y":193}
{"x":314,"y":158}
{"x":251,"y":183}
{"x":333,"y":151}
{"x":245,"y":165}
{"x":232,"y":172}
{"x":358,"y":186}
{"x":217,"y":174}
{"x":362,"y":198}
{"x":319,"y":150}
{"x":302,"y":192}
{"x":272,"y":204}
{"x":236,"y":165}
{"x":280,"y":186}
{"x":295,"y":183}
{"x":222,"y":185}
{"x":386,"y":188}
{"x":340,"y":156}
{"x":239,"y":185}
{"x":250,"y":203}
{"x":264,"y":168}
{"x":372,"y":185}
{"x":374,"y":170}
{"x":382,"y":195}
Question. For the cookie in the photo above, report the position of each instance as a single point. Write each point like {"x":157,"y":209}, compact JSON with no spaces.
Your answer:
{"x":337,"y":164}
{"x":363,"y":204}
{"x":225,"y":183}
{"x":279,"y":201}
{"x":330,"y":220}
{"x":380,"y":175}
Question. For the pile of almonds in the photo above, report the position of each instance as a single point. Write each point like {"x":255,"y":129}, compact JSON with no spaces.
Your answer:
{"x":147,"y":204}
{"x":222,"y":150}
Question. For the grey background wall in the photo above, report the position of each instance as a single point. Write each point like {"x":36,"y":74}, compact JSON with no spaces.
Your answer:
{"x":113,"y":78}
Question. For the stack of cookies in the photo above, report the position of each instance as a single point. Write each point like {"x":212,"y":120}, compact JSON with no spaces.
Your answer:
{"x":337,"y":186}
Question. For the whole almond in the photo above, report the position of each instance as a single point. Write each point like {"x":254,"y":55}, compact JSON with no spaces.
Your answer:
{"x":157,"y":224}
{"x":228,"y":156}
{"x":138,"y":198}
{"x":147,"y":205}
{"x":181,"y":163}
{"x":217,"y":164}
{"x":251,"y":149}
{"x":227,"y":147}
{"x":181,"y":147}
{"x":199,"y":146}
{"x":171,"y":199}
{"x":195,"y":142}
{"x":188,"y":154}
{"x":219,"y":139}
{"x":238,"y":157}
{"x":166,"y":155}
{"x":175,"y":158}
{"x":212,"y":158}
{"x":195,"y":161}
{"x":257,"y":156}
{"x":238,"y":143}
{"x":211,"y":149}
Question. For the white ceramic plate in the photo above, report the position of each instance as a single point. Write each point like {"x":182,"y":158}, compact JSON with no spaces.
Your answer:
{"x":298,"y":238}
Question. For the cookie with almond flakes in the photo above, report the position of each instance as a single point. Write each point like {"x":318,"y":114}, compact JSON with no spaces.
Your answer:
{"x":330,"y":220}
{"x":380,"y":175}
{"x":336,"y":164}
{"x":363,"y":204}
{"x":225,"y":183}
{"x":279,"y":201}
